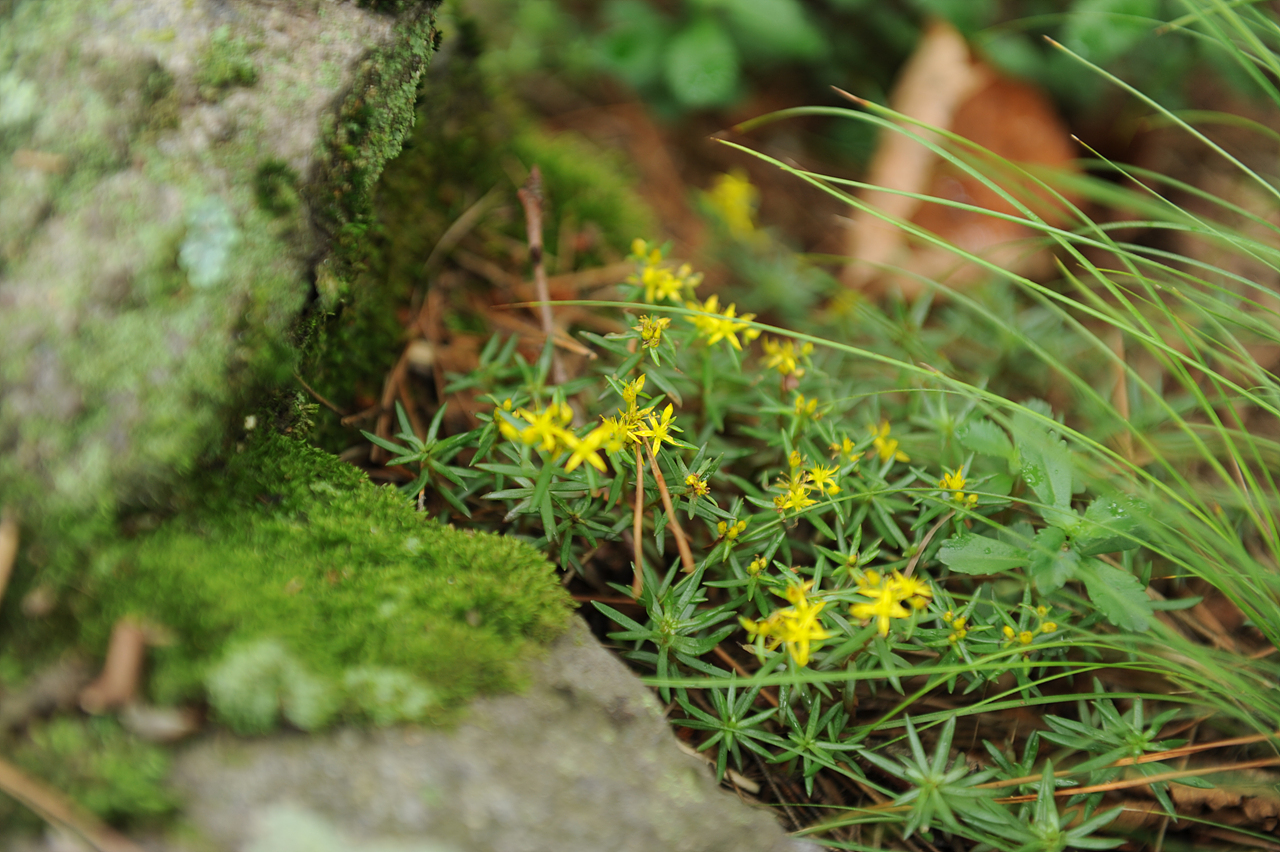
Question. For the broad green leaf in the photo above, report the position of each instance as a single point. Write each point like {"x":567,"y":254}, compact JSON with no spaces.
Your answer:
{"x":1052,"y":566}
{"x":985,"y":438}
{"x":1046,"y":467}
{"x":1109,"y":525}
{"x":975,"y":554}
{"x":1103,"y":30}
{"x":631,"y":46}
{"x":702,"y":66}
{"x":1117,"y":594}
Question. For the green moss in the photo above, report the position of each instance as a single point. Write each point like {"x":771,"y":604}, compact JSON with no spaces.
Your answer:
{"x":224,"y":63}
{"x":105,"y":769}
{"x":294,"y":585}
{"x":367,"y":132}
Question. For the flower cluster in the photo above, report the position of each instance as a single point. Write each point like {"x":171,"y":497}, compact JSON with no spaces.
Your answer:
{"x":796,"y":626}
{"x":721,"y":325}
{"x":887,"y":596}
{"x":802,"y":481}
{"x":659,"y":282}
{"x":1026,"y":637}
{"x":953,"y":482}
{"x":547,"y":430}
{"x":959,"y":626}
{"x":783,"y":357}
{"x":651,"y":329}
{"x":730,"y":532}
{"x":629,"y":426}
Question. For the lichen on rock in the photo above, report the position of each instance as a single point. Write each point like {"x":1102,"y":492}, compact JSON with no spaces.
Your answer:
{"x":172,"y":172}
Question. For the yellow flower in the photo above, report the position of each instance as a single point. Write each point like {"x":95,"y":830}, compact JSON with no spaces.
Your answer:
{"x":734,"y":198}
{"x":887,"y":596}
{"x":659,"y":430}
{"x":631,"y":390}
{"x":886,"y":447}
{"x":617,"y":436}
{"x":651,"y":329}
{"x":721,"y":325}
{"x":659,"y":284}
{"x":796,"y":626}
{"x":885,"y":605}
{"x":953,"y":481}
{"x":824,"y":479}
{"x":757,"y":565}
{"x":1048,"y":627}
{"x":795,"y":495}
{"x":784,"y":358}
{"x":844,"y":450}
{"x":806,"y":409}
{"x":584,"y":449}
{"x":545,"y":429}
{"x":795,"y":460}
{"x":1026,"y":636}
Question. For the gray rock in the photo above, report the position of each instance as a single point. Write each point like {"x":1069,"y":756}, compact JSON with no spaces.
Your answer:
{"x":176,"y":178}
{"x":582,"y":761}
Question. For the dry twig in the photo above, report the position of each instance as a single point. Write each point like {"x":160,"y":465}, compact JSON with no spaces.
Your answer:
{"x":531,"y":197}
{"x":682,"y":543}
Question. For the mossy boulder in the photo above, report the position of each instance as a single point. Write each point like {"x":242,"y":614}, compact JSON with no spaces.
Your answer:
{"x":176,"y":177}
{"x":294,"y":587}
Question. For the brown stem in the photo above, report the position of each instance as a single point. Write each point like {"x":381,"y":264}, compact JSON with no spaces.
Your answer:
{"x":682,"y":543}
{"x":637,"y":527}
{"x":531,"y":197}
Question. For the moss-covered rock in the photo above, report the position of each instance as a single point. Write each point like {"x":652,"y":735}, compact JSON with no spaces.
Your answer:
{"x":295,"y":587}
{"x":172,"y":171}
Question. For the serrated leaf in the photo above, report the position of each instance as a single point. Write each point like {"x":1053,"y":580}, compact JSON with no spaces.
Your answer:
{"x":1117,"y":594}
{"x":1052,"y":566}
{"x":975,"y":554}
{"x":702,"y":67}
{"x":1109,"y":525}
{"x":985,"y":438}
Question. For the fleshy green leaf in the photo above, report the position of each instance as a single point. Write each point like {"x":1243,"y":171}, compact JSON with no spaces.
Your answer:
{"x":975,"y":554}
{"x":1117,"y":594}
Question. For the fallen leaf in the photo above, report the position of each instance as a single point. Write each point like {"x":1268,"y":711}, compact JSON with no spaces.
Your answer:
{"x":944,"y":86}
